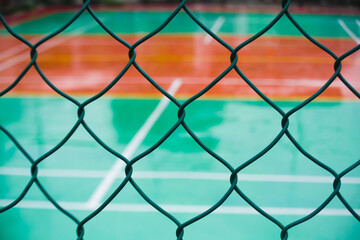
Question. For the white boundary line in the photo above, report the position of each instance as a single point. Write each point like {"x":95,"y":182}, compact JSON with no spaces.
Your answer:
{"x":18,"y":48}
{"x":215,"y":28}
{"x":46,"y":46}
{"x":357,"y":22}
{"x":130,"y":149}
{"x":171,"y":208}
{"x":348,"y":31}
{"x":214,"y":176}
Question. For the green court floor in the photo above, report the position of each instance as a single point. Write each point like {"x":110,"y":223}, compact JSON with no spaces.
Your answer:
{"x":140,"y":22}
{"x":179,"y":175}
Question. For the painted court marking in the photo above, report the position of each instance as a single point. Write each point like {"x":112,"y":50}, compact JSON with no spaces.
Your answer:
{"x":67,"y":81}
{"x":214,"y":176}
{"x":172,"y":208}
{"x":16,"y":49}
{"x":215,"y":29}
{"x":130,"y":149}
{"x":357,"y":22}
{"x":48,"y":45}
{"x":348,"y":31}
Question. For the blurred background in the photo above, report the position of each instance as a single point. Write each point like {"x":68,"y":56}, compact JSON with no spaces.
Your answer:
{"x":11,"y":6}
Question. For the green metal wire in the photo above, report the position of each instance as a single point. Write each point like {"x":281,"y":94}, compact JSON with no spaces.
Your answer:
{"x":233,"y":171}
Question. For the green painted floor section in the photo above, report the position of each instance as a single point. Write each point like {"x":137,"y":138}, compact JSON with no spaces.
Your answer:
{"x":135,"y":22}
{"x":236,"y":130}
{"x":148,"y":226}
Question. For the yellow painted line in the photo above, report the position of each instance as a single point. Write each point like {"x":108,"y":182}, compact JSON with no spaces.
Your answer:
{"x":163,"y":58}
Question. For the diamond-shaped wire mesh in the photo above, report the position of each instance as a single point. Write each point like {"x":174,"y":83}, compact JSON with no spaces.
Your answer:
{"x":234,"y":171}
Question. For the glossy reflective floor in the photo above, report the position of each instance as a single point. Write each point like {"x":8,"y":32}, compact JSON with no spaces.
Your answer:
{"x":180,"y":176}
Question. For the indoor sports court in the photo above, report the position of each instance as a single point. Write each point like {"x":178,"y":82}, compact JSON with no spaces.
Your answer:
{"x":130,"y":121}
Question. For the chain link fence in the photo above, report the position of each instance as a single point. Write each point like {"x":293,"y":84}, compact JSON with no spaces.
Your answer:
{"x":233,"y":171}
